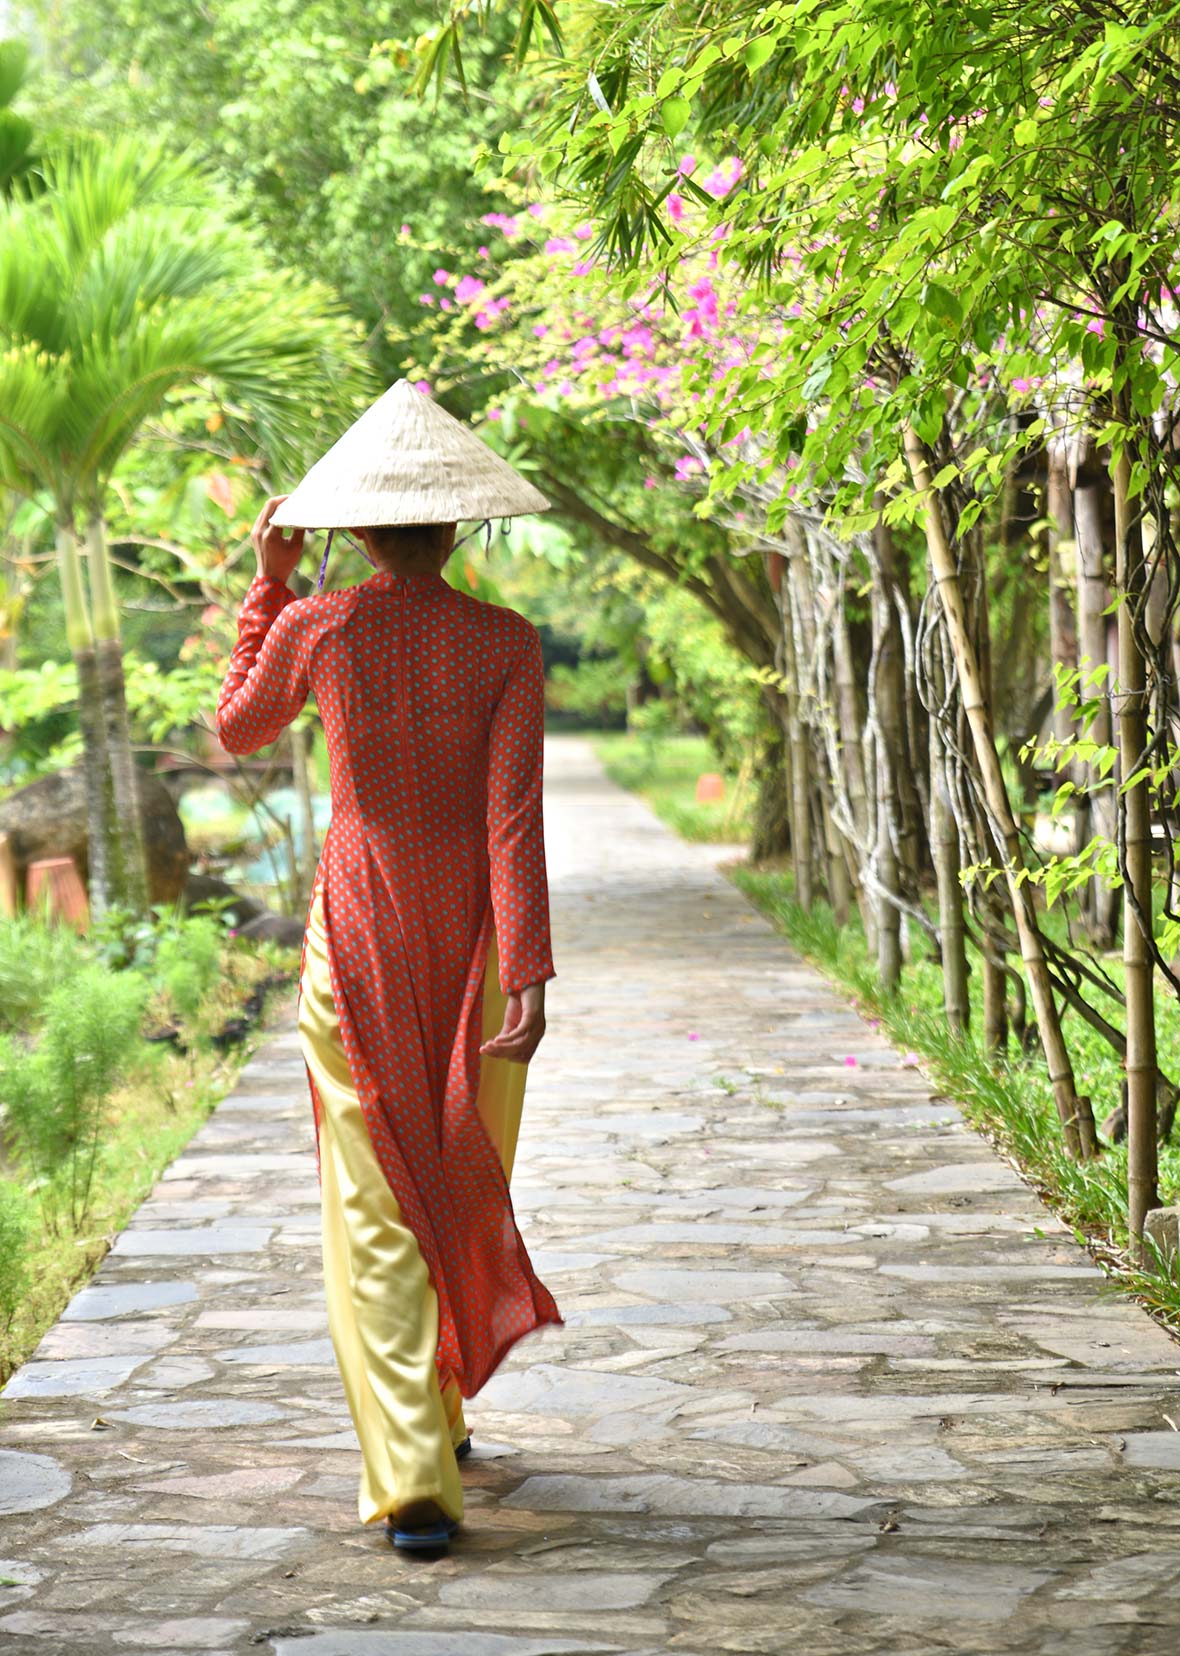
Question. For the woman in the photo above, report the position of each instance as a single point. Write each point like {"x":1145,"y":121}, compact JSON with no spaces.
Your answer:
{"x":427,"y":947}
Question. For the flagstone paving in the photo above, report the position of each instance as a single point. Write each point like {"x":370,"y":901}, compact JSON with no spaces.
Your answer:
{"x":831,"y":1380}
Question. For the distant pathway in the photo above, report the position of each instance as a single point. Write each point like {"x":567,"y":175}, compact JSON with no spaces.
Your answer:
{"x":823,"y":1389}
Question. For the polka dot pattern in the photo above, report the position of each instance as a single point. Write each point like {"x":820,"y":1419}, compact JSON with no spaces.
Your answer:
{"x":432,"y":703}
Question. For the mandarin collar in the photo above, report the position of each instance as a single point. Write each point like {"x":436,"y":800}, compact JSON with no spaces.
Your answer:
{"x":425,"y":578}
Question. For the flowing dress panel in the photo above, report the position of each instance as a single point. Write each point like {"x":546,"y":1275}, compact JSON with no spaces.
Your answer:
{"x":432,"y":704}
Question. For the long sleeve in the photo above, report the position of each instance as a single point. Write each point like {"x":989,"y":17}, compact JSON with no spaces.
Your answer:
{"x":516,"y":842}
{"x":266,"y":683}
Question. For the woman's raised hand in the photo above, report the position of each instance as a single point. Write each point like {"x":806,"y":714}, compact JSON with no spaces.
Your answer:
{"x":277,"y":552}
{"x":524,"y":1024}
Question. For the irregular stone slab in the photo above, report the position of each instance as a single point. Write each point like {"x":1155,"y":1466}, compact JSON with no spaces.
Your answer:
{"x":958,"y":1178}
{"x":834,"y":1340}
{"x":87,"y":1377}
{"x":682,"y":1497}
{"x":548,"y":1389}
{"x":243,"y":1485}
{"x":191,"y":1632}
{"x":207,"y":1240}
{"x":202,"y":1540}
{"x":207,"y":1414}
{"x":929,"y":1589}
{"x":623,"y":1316}
{"x":118,"y":1299}
{"x":347,"y":1642}
{"x":28,"y":1483}
{"x":234,"y":1167}
{"x":71,"y":1340}
{"x":712,"y":1286}
{"x":554,"y":1590}
{"x":261,"y":1318}
{"x":1159,"y":1449}
{"x":301,"y":1354}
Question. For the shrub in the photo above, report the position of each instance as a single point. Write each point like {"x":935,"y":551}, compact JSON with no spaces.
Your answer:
{"x":14,"y":1231}
{"x":34,"y":959}
{"x":56,"y":1095}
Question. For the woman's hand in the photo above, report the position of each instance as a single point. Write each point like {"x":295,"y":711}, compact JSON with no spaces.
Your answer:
{"x":524,"y":1024}
{"x":277,"y":555}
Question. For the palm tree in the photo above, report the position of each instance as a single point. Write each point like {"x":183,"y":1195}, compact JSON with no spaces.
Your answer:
{"x":120,"y":288}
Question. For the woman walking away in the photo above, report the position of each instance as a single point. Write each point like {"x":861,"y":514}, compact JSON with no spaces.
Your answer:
{"x":426,"y":950}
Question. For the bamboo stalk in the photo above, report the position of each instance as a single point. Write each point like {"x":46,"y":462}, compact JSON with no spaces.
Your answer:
{"x":1139,"y":967}
{"x":1076,"y":1121}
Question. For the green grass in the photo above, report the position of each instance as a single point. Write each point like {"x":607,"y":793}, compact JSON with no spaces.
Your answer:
{"x":665,"y":772}
{"x":1009,"y":1102}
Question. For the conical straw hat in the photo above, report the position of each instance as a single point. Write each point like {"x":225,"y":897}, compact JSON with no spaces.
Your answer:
{"x":406,"y":460}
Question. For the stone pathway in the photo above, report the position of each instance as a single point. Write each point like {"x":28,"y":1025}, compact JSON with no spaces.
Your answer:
{"x":832,"y":1381}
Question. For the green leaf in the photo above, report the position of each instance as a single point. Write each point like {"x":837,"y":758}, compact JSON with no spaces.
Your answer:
{"x":674,"y":113}
{"x":759,"y":51}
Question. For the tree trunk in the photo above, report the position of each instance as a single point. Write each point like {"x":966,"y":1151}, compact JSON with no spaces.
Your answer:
{"x":1090,"y":497}
{"x":952,"y":934}
{"x":95,"y":768}
{"x":1076,"y":1119}
{"x":886,"y":685}
{"x":800,"y":765}
{"x":1142,"y":1161}
{"x":126,"y":860}
{"x":991,"y":965}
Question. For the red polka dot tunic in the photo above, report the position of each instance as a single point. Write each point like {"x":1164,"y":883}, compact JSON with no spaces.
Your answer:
{"x":432,"y":705}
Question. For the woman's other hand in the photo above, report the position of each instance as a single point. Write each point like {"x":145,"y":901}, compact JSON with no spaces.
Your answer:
{"x":277,"y":554}
{"x":524,"y":1024}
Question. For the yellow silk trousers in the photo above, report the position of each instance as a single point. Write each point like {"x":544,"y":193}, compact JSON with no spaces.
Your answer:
{"x":382,"y":1306}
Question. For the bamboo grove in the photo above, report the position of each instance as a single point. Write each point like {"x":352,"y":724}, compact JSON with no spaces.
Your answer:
{"x":909,"y":349}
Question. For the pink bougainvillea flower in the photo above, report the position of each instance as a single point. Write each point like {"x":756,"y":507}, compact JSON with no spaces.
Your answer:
{"x":688,"y":164}
{"x":584,"y":231}
{"x":495,"y":413}
{"x":423,"y":386}
{"x":405,"y":229}
{"x":540,"y":329}
{"x":850,"y":1062}
{"x":483,"y":252}
{"x":911,"y":1060}
{"x":442,"y":277}
{"x":676,"y":208}
{"x":693,"y":1035}
{"x":651,"y":483}
{"x":559,"y":244}
{"x":467,"y":287}
{"x":536,"y":210}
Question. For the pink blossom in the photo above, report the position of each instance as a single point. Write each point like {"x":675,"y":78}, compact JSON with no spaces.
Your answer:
{"x":423,"y":386}
{"x":1096,"y":326}
{"x":693,"y":1036}
{"x":426,"y":298}
{"x":442,"y":277}
{"x":584,"y":231}
{"x":676,"y":208}
{"x":581,"y":266}
{"x":495,"y":413}
{"x":536,"y":210}
{"x":467,"y":287}
{"x":688,"y":165}
{"x":687,"y":466}
{"x":540,"y":329}
{"x":483,"y":252}
{"x":559,"y":244}
{"x":651,"y":483}
{"x":405,"y":229}
{"x":850,"y":1063}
